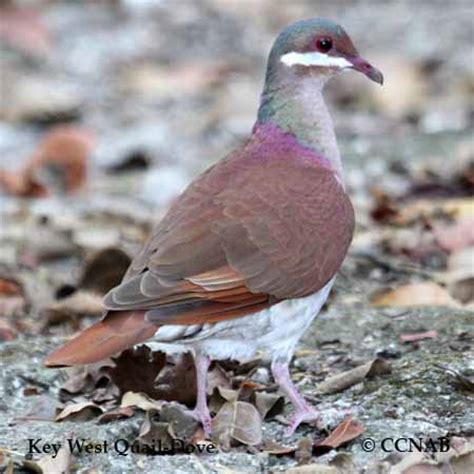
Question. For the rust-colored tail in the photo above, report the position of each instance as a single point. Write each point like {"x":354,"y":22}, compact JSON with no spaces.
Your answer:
{"x":117,"y":331}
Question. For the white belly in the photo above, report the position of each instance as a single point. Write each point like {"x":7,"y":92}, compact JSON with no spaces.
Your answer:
{"x":276,"y":330}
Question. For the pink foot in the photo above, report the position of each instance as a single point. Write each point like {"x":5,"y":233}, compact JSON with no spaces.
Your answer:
{"x":204,"y":417}
{"x":298,"y":417}
{"x":303,"y":411}
{"x":201,"y":412}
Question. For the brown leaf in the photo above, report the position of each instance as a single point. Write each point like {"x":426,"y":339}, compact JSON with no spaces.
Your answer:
{"x":182,"y":425}
{"x":177,"y":381}
{"x":344,"y":380}
{"x":416,"y":294}
{"x":136,"y":370}
{"x":277,"y":449}
{"x":313,"y":469}
{"x":154,"y":434}
{"x":82,"y":411}
{"x":348,"y":430}
{"x":237,"y":421}
{"x":87,"y":380}
{"x":217,"y":377}
{"x":104,"y":271}
{"x":116,"y":414}
{"x":72,"y":308}
{"x":59,"y":464}
{"x":59,"y":163}
{"x":12,"y":303}
{"x":463,"y":381}
{"x":269,"y":405}
{"x":414,"y":337}
{"x":141,"y":401}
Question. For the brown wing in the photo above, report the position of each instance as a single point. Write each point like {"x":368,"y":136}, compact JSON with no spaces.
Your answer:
{"x":247,"y":233}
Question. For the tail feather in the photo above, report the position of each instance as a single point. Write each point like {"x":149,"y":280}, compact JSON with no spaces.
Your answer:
{"x":116,"y":332}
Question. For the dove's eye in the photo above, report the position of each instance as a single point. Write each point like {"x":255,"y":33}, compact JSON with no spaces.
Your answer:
{"x":324,"y":44}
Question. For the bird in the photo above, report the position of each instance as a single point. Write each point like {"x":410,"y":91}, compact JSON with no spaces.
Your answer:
{"x":246,"y":256}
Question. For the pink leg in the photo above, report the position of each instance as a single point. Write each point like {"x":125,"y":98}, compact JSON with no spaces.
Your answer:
{"x":303,"y":410}
{"x":201,"y":412}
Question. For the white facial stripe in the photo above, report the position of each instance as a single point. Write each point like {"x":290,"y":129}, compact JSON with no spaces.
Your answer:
{"x":314,"y":59}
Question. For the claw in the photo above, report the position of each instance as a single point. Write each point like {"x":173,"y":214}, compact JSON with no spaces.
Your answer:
{"x":300,"y":416}
{"x":204,"y":417}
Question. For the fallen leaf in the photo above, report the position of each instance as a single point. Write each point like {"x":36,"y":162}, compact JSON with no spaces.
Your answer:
{"x":12,"y":304}
{"x":344,"y":380}
{"x":182,"y":425}
{"x":217,"y":377}
{"x":154,"y":434}
{"x":104,"y":270}
{"x":239,"y":421}
{"x":72,"y":308}
{"x":136,"y":370}
{"x":313,"y":469}
{"x":177,"y":380}
{"x":269,"y":404}
{"x":463,"y":381}
{"x":419,"y":336}
{"x":304,"y":450}
{"x":116,"y":414}
{"x":86,"y":380}
{"x":141,"y":401}
{"x":59,"y":464}
{"x":277,"y":449}
{"x":348,"y":430}
{"x":82,"y":411}
{"x":416,"y":294}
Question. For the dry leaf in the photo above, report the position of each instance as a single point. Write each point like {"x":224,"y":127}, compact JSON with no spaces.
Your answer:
{"x":418,"y":336}
{"x":237,"y":421}
{"x":269,"y":405}
{"x":272,"y":447}
{"x":58,"y":464}
{"x":182,"y":425}
{"x":104,"y":270}
{"x":140,"y":400}
{"x":12,"y":303}
{"x":348,"y":430}
{"x":154,"y":434}
{"x":340,"y":382}
{"x":71,"y":308}
{"x":416,"y":294}
{"x":82,"y":411}
{"x":137,"y":369}
{"x":177,"y":380}
{"x":313,"y":469}
{"x":117,"y":414}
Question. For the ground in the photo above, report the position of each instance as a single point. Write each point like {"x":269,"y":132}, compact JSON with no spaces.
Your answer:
{"x":167,"y":91}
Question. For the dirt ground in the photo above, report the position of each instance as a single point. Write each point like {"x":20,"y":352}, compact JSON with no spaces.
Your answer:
{"x":162,"y":90}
